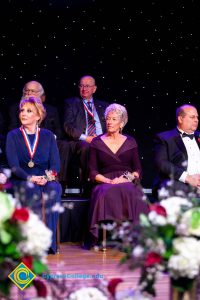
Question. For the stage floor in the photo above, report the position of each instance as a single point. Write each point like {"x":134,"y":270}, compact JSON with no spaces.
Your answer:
{"x":73,"y":261}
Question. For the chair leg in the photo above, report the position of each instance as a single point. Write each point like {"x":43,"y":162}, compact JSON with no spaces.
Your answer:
{"x":58,"y":236}
{"x":104,"y":239}
{"x":43,"y":210}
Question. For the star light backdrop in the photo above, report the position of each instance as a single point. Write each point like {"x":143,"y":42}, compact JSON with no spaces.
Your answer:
{"x":143,"y":54}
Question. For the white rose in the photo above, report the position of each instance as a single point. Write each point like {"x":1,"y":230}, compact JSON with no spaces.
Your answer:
{"x":88,"y":293}
{"x":180,"y":266}
{"x":173,"y":207}
{"x":38,"y":236}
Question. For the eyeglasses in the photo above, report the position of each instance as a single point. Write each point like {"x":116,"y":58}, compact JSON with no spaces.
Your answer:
{"x":86,"y":86}
{"x":26,"y":91}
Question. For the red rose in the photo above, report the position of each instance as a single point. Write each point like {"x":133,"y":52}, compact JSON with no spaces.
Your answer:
{"x":160,"y":210}
{"x":112,"y":284}
{"x":53,"y":173}
{"x":28,"y":261}
{"x":40,"y":288}
{"x":152,"y":258}
{"x":198,"y":140}
{"x":20,"y":214}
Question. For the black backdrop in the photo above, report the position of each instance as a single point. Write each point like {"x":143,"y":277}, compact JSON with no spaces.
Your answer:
{"x":143,"y":54}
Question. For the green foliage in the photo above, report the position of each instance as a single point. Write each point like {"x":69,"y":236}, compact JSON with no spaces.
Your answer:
{"x":39,"y":267}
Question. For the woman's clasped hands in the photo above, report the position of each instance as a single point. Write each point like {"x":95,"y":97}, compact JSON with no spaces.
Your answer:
{"x":40,"y":180}
{"x":123,"y":179}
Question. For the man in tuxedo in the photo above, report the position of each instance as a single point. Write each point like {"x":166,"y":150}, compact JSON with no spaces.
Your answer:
{"x":83,"y":120}
{"x":51,"y":122}
{"x":177,"y":153}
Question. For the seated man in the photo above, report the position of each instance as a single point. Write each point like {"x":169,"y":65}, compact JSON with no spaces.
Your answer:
{"x":83,"y":120}
{"x":177,"y":153}
{"x":51,"y":122}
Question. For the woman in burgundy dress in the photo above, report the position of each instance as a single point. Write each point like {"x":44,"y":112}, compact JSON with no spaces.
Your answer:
{"x":115,"y":167}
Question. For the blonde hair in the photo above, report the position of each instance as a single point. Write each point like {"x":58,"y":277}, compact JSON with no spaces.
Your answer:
{"x":119,"y":110}
{"x":38,"y":105}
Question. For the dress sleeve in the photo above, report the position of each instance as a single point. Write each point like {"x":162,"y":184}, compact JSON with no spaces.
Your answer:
{"x":54,"y":158}
{"x":93,"y":162}
{"x":134,"y":158}
{"x":136,"y":162}
{"x":12,"y":157}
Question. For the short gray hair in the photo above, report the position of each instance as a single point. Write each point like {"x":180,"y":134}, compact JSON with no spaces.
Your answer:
{"x":39,"y":86}
{"x":120,"y":111}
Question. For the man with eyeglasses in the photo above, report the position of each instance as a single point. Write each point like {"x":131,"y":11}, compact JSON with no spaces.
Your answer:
{"x":51,"y":122}
{"x":83,"y":120}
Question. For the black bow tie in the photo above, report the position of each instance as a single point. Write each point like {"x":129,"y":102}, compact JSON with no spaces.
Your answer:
{"x":191,"y":136}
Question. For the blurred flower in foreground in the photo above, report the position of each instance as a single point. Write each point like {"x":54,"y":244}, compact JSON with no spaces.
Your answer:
{"x":165,"y":240}
{"x":23,"y":238}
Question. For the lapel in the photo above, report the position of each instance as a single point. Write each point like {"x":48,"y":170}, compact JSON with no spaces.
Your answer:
{"x":98,"y":108}
{"x":99,"y":144}
{"x":179,"y":142}
{"x":100,"y":112}
{"x":82,"y":113}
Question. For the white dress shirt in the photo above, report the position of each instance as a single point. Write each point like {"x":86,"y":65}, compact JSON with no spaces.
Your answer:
{"x":193,"y":152}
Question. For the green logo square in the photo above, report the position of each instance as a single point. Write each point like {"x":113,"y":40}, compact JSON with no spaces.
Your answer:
{"x":21,"y":276}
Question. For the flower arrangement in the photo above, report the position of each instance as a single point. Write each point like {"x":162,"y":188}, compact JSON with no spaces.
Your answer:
{"x":23,"y":238}
{"x":166,"y":240}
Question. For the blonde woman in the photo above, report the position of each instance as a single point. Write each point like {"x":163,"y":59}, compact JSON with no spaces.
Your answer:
{"x":32,"y":154}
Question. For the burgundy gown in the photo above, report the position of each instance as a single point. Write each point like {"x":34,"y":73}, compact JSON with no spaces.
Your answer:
{"x":116,"y":202}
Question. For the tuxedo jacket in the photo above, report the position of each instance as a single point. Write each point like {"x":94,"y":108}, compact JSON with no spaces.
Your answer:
{"x":170,"y":155}
{"x":75,"y":119}
{"x":51,"y":122}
